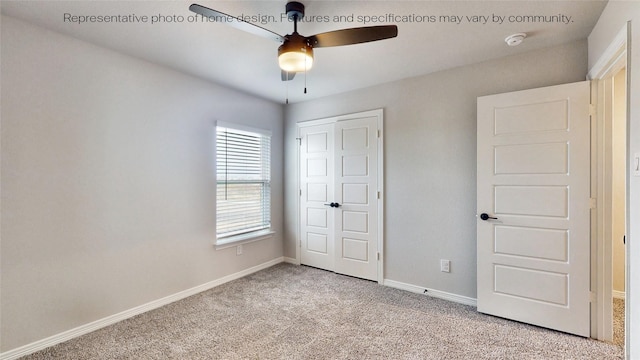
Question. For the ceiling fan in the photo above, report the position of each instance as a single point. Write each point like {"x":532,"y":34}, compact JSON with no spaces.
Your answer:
{"x":296,"y":52}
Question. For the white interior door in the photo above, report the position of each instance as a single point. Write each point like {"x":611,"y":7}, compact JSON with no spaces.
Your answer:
{"x":340,"y":212}
{"x":356,"y":171}
{"x":533,"y":186}
{"x":317,"y":220}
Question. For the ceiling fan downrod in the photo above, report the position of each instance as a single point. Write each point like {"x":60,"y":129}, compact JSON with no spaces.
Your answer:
{"x":295,"y":11}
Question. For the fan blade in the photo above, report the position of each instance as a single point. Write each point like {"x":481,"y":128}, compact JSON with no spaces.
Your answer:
{"x":236,"y":22}
{"x":353,"y":36}
{"x":286,"y":76}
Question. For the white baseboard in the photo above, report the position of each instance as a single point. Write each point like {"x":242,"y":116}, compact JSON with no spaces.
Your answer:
{"x":431,"y":292}
{"x":618,"y":294}
{"x":110,"y":320}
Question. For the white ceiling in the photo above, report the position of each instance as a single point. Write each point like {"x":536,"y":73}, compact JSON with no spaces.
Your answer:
{"x":225,"y":55}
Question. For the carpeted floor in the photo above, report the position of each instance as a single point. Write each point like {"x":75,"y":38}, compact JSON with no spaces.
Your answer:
{"x":297,"y":312}
{"x":618,"y":322}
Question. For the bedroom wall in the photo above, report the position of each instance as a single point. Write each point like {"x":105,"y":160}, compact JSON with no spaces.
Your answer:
{"x":614,"y":18}
{"x":430,"y":159}
{"x":108,"y":188}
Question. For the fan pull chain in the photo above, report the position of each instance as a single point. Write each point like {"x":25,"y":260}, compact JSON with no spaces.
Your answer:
{"x":287,"y":89}
{"x":305,"y":75}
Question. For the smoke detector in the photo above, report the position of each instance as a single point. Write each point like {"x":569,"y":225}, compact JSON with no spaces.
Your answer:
{"x":515,"y":39}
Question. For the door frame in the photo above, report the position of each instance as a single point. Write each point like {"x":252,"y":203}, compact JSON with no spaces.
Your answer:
{"x":378,"y":113}
{"x":615,"y":57}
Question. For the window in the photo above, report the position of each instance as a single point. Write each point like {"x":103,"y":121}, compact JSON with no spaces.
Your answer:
{"x":243,"y":205}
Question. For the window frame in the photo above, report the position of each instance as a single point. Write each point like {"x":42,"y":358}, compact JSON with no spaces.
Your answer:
{"x":226,"y":241}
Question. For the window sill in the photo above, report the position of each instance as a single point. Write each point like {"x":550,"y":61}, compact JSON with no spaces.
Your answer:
{"x":232,"y":241}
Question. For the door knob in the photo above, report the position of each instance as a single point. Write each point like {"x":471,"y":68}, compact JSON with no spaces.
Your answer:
{"x":333,"y":204}
{"x":485,"y":216}
{"x":337,"y":205}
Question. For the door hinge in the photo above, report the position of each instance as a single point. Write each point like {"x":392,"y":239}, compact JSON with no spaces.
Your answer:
{"x":592,"y":297}
{"x":378,"y":133}
{"x":593,"y":110}
{"x":593,"y":203}
{"x":299,"y":141}
{"x":378,"y":256}
{"x":378,"y":194}
{"x":300,"y":192}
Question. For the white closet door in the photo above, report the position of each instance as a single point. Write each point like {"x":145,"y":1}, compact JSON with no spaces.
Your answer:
{"x":317,"y":222}
{"x":340,"y":213}
{"x":356,"y":175}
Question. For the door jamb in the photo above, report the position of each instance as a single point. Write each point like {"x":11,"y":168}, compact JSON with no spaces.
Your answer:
{"x":613,"y":59}
{"x":379,"y":113}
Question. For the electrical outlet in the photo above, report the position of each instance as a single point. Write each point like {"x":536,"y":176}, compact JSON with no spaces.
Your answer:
{"x":238,"y":250}
{"x":445,"y":265}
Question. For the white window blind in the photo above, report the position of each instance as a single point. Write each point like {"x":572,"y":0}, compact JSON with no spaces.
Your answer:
{"x":243,"y":177}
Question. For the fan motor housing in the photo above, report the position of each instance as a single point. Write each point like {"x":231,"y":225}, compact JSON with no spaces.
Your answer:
{"x":295,"y":42}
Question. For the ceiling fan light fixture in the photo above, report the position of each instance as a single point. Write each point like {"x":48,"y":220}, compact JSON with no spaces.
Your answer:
{"x":295,"y":61}
{"x":295,"y":55}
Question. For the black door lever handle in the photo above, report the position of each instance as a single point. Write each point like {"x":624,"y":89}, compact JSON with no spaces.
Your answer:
{"x":333,"y":204}
{"x":485,"y":216}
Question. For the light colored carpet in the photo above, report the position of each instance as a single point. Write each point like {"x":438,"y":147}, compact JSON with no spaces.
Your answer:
{"x":618,"y":322}
{"x":297,"y":312}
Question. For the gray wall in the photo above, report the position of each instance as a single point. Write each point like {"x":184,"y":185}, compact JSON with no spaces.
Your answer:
{"x":108,"y":188}
{"x":613,"y":19}
{"x":430,"y":159}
